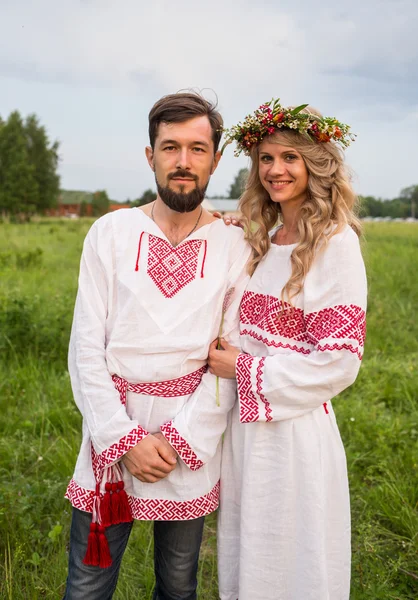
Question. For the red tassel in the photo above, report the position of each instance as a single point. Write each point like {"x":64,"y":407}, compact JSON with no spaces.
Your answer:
{"x":125,"y":515}
{"x":105,"y":507}
{"x":92,"y":553}
{"x":104,"y":552}
{"x":114,"y":505}
{"x":325,"y":408}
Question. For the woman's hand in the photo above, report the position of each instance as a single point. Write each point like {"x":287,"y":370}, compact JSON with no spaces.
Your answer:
{"x":222,"y":362}
{"x":229,"y":219}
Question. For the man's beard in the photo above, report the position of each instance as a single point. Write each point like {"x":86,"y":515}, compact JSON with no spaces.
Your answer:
{"x":179,"y":201}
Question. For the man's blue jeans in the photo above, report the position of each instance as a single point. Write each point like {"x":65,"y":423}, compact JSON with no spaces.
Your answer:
{"x":176,"y":555}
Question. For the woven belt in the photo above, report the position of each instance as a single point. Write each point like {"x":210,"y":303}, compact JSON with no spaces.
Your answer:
{"x":181,"y":386}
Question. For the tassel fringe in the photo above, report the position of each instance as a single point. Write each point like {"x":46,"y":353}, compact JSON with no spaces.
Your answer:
{"x":92,"y":554}
{"x":106,"y":507}
{"x":114,"y":504}
{"x":125,"y":514}
{"x":113,"y":508}
{"x":105,"y":560}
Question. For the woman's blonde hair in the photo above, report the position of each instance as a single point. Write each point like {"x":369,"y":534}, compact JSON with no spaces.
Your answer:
{"x":330,"y":204}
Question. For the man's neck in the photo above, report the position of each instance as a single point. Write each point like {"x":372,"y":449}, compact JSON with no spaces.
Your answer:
{"x":172,"y":219}
{"x":176,"y":226}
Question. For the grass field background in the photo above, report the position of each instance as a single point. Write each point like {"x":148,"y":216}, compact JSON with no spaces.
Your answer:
{"x":40,"y":425}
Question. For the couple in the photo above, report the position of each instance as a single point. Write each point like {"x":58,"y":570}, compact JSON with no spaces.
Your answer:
{"x":157,"y":285}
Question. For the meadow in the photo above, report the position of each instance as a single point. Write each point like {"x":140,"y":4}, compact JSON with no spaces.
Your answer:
{"x":40,"y":425}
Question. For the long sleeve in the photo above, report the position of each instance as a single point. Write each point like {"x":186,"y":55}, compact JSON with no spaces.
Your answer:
{"x":112,"y":432}
{"x":288,"y":385}
{"x":196,"y":430}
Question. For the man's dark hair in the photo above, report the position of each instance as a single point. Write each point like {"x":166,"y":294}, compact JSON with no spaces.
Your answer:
{"x":180,"y":107}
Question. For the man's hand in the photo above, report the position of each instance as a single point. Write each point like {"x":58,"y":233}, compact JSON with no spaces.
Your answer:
{"x":169,"y":448}
{"x":151,"y":459}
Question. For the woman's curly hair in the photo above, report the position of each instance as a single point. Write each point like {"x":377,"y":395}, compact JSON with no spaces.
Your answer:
{"x":330,"y":204}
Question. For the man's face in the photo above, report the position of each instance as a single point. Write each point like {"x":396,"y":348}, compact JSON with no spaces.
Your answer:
{"x":183,"y":160}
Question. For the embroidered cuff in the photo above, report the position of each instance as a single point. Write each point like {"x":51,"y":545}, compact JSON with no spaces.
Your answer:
{"x":248,"y":405}
{"x":253,"y":405}
{"x":183,"y":449}
{"x":116,"y":451}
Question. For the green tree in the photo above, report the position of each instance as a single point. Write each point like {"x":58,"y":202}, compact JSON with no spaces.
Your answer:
{"x":396,"y":208}
{"x":370,"y":206}
{"x":43,"y":156}
{"x":376,"y":207}
{"x":19,"y":192}
{"x":238,"y":185}
{"x":147,"y":197}
{"x":410,"y":194}
{"x":100,"y":203}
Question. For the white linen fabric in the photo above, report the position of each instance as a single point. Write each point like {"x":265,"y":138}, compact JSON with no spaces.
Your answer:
{"x":284,"y":521}
{"x":145,"y":314}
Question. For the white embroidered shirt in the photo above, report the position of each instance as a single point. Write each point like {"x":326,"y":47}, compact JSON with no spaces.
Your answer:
{"x":145,"y":315}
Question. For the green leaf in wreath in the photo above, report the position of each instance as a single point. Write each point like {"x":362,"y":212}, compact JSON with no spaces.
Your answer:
{"x":297,"y":110}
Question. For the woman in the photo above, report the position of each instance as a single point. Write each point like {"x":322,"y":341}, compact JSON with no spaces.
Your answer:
{"x":284,"y":524}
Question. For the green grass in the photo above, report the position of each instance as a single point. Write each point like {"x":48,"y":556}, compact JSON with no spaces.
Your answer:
{"x":40,"y":426}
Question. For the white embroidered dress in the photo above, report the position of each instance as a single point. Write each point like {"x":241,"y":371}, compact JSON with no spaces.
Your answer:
{"x":284,"y":524}
{"x":145,"y":315}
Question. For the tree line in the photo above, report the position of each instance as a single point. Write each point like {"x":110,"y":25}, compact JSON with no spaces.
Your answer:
{"x":29,"y":181}
{"x":402,"y":207}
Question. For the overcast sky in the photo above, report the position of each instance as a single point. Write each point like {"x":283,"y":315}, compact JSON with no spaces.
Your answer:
{"x":91,"y":70}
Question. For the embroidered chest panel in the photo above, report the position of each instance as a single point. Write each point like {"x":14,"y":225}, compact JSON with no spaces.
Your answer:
{"x":172,"y":268}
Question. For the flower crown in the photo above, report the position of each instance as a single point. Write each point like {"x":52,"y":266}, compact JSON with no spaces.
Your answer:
{"x":272,"y":116}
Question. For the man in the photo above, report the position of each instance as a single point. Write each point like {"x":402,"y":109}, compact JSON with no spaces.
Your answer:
{"x":155,"y":286}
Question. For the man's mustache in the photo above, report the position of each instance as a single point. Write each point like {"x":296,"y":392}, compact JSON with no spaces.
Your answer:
{"x":183,"y":174}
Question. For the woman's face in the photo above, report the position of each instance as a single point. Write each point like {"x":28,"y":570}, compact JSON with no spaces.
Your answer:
{"x":282,"y":173}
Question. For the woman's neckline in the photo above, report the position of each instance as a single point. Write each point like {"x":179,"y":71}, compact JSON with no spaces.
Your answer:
{"x":273,"y":233}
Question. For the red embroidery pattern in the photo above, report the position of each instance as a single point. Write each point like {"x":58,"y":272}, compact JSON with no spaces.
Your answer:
{"x":114,"y":452}
{"x":80,"y":497}
{"x":259,"y":392}
{"x":248,"y":405}
{"x":325,"y":347}
{"x":171,"y":269}
{"x":149,"y":509}
{"x":273,"y":343}
{"x":182,"y":386}
{"x":341,"y":322}
{"x":180,"y":445}
{"x":264,"y":312}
